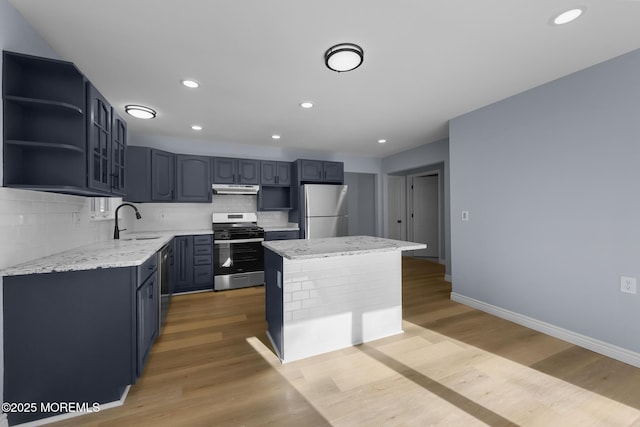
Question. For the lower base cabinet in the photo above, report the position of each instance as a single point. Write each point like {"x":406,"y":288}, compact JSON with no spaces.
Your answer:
{"x":147,"y":299}
{"x":193,"y":263}
{"x":281,"y":235}
{"x":78,"y":336}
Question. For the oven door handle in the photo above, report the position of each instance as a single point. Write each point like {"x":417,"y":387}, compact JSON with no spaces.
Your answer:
{"x":257,"y":239}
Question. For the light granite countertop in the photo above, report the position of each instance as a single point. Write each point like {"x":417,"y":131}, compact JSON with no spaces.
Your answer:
{"x":338,"y":246}
{"x":125,"y":252}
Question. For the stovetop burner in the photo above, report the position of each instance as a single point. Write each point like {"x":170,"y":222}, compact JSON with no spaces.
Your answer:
{"x":234,"y":226}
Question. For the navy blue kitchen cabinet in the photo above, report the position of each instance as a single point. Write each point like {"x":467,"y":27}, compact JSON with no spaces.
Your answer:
{"x":118,"y":153}
{"x":275,"y":189}
{"x":163,"y":176}
{"x":193,"y":178}
{"x":160,"y":176}
{"x":147,"y":300}
{"x":274,"y":198}
{"x":281,"y":235}
{"x":77,"y":336}
{"x":106,"y":145}
{"x":275,"y":173}
{"x":273,"y":273}
{"x":193,"y":263}
{"x":98,"y":139}
{"x":47,"y":133}
{"x":227,"y":170}
{"x":151,"y":175}
{"x":320,"y":171}
{"x":138,"y":165}
{"x":183,"y":253}
{"x":202,"y":262}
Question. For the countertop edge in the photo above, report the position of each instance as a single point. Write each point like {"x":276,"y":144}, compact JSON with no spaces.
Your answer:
{"x":335,"y":253}
{"x":66,"y":261}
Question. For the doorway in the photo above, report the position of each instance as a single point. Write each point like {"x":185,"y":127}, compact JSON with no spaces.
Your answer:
{"x":424,"y":214}
{"x":415,"y":202}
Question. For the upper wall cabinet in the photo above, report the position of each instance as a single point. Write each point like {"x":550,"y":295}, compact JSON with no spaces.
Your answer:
{"x":163,"y":176}
{"x":275,"y":173}
{"x":151,"y":175}
{"x":160,"y":176}
{"x":319,"y":171}
{"x":226,"y":170}
{"x":46,"y":138}
{"x":118,"y":152}
{"x":193,"y":178}
{"x":106,"y":144}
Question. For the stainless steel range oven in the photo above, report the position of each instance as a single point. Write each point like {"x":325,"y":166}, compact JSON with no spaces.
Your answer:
{"x":237,"y":251}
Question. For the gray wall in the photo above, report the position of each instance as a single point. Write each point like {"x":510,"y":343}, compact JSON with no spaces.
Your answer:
{"x":362,"y":203}
{"x":424,"y":158}
{"x":551,"y":178}
{"x":15,"y":35}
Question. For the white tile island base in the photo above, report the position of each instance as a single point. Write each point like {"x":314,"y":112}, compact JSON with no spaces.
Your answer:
{"x":332,"y":300}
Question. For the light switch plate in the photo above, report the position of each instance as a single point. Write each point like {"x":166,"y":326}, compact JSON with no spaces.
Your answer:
{"x":465,"y":215}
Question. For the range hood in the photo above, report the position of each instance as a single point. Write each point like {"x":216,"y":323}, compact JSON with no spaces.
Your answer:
{"x":235,"y":189}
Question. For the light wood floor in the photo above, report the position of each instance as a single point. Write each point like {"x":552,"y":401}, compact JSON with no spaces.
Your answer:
{"x":453,"y":366}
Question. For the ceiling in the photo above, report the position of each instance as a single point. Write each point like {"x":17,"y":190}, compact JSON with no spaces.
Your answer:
{"x":425,"y":61}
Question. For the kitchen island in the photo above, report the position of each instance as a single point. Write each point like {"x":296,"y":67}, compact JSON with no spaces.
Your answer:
{"x":331,"y":293}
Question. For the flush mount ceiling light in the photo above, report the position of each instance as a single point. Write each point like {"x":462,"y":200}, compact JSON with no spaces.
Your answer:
{"x":306,"y":104}
{"x":343,"y":57}
{"x":196,"y":127}
{"x":140,"y":111}
{"x":567,"y":16}
{"x":275,"y":136}
{"x":382,"y":141}
{"x":191,"y":83}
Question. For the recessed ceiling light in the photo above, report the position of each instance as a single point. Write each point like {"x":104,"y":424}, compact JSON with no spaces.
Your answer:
{"x":196,"y":127}
{"x":140,"y":111}
{"x":191,"y":84}
{"x":306,"y":104}
{"x":382,"y":141}
{"x":567,"y":16}
{"x":275,"y":136}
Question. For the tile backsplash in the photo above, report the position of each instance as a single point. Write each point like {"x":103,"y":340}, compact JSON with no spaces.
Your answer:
{"x":35,"y":224}
{"x":194,"y":216}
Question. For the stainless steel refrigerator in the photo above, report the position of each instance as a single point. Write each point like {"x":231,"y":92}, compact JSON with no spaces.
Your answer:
{"x":325,"y":210}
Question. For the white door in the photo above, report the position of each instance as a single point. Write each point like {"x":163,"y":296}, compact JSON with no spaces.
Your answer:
{"x":425,"y":215}
{"x":396,"y":209}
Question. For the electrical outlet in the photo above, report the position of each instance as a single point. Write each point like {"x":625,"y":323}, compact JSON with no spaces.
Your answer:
{"x":75,"y":218}
{"x":465,"y":215}
{"x":163,"y":216}
{"x":628,"y":284}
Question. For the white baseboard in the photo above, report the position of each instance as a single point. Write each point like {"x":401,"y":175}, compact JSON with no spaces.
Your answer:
{"x":609,"y":350}
{"x":447,"y":277}
{"x":61,"y":417}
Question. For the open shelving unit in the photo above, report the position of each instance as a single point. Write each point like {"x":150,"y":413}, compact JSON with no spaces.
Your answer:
{"x":44,"y":124}
{"x":272,"y":198}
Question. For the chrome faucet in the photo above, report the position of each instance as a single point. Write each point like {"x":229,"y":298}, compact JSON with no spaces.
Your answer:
{"x":116,"y":230}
